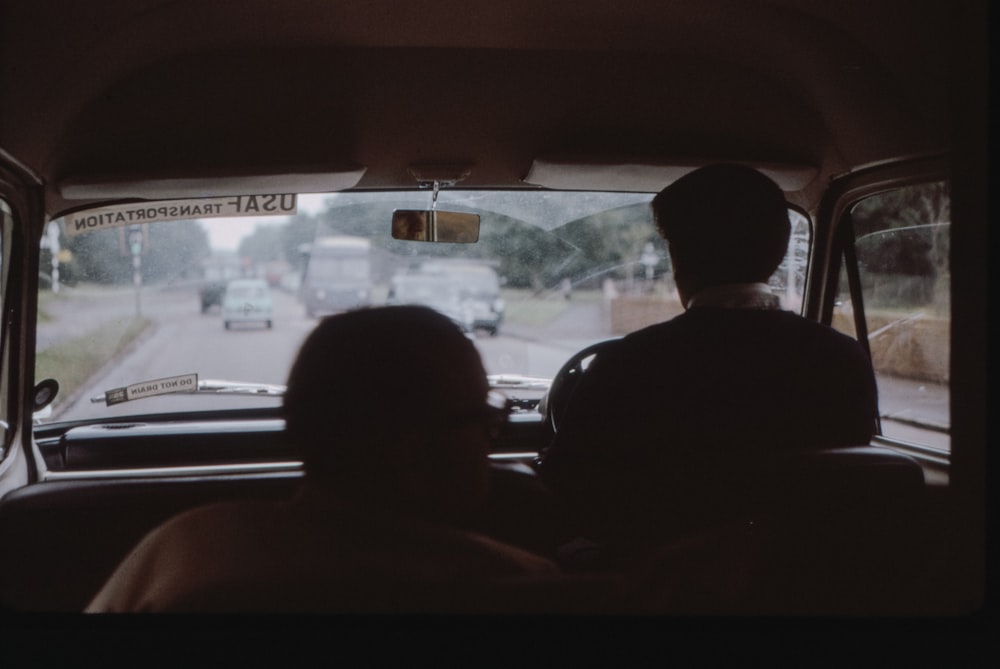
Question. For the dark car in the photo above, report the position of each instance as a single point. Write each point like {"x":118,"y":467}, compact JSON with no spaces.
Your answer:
{"x":211,"y":294}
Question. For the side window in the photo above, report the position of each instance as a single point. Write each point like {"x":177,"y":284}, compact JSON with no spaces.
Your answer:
{"x":901,"y":240}
{"x":788,"y":281}
{"x":6,"y":226}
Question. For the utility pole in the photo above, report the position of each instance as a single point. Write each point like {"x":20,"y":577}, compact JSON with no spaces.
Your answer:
{"x":136,"y":246}
{"x":51,"y":240}
{"x":649,"y":258}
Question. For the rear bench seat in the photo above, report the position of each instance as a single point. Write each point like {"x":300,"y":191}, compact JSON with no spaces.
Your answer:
{"x":834,"y":518}
{"x":62,"y":539}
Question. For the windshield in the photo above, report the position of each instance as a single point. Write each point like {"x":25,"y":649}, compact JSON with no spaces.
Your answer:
{"x":334,"y":268}
{"x":140,"y":306}
{"x":414,"y":288}
{"x":245,"y":292}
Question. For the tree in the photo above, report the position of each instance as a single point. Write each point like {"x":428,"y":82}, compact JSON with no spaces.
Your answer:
{"x":175,"y":248}
{"x":299,"y":231}
{"x":527,"y":255}
{"x":921,"y":204}
{"x":172,"y":249}
{"x":902,"y":240}
{"x":264,"y":245}
{"x":904,"y":231}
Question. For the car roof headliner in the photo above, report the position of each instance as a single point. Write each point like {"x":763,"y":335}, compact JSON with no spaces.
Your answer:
{"x":110,"y":100}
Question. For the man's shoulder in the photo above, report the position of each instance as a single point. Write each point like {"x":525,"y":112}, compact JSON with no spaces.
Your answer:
{"x":676,"y":326}
{"x":214,"y":520}
{"x":818,"y":330}
{"x":778,"y":319}
{"x":697,"y":327}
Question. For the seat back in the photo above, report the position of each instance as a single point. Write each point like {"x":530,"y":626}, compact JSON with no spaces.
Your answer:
{"x":567,"y":594}
{"x":830,"y":532}
{"x":62,"y":539}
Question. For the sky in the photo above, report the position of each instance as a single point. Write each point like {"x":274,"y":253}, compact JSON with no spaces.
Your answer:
{"x":224,"y":234}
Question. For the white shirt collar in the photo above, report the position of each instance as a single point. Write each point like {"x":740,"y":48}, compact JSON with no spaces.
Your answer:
{"x":736,"y":296}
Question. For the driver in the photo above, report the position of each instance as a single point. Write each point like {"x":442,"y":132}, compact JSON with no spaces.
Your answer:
{"x":389,"y":406}
{"x":656,"y":418}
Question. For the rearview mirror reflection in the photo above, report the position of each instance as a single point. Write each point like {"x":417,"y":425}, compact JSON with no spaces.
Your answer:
{"x":435,"y":226}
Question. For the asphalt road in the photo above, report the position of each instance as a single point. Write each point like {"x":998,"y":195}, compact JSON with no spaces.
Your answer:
{"x":185,"y":341}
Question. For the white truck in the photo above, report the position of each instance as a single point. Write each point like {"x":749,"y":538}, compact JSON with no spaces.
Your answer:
{"x":338,"y":275}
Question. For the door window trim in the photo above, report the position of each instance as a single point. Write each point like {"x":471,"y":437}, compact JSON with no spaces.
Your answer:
{"x":22,"y":191}
{"x":835,"y":238}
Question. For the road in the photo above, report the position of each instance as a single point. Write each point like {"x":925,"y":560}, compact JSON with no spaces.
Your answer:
{"x":185,"y":341}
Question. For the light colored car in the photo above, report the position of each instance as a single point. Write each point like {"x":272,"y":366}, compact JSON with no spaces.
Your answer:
{"x":438,"y":291}
{"x":247,"y":301}
{"x":479,"y":290}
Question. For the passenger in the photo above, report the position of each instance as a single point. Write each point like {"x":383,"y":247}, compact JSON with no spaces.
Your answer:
{"x":650,"y":445}
{"x":390,"y":408}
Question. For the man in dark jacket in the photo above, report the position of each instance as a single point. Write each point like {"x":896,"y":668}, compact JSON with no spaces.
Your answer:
{"x":653,"y":437}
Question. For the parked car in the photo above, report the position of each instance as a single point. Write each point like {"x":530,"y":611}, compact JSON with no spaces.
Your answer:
{"x":253,"y":125}
{"x":247,"y":301}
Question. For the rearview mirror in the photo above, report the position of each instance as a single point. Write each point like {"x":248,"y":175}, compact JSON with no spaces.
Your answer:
{"x":435,"y":226}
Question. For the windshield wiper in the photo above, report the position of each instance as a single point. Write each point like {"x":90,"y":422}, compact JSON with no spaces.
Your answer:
{"x":523,"y":392}
{"x":218,"y":387}
{"x":518,"y":382}
{"x":188,"y":385}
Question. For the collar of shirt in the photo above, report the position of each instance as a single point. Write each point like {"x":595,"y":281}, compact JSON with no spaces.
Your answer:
{"x":736,"y":296}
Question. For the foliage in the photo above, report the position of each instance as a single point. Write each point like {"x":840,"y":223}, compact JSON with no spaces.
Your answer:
{"x":902,"y":241}
{"x":73,"y":362}
{"x":170,"y":250}
{"x":587,"y":250}
{"x":174,"y":249}
{"x":300,"y":231}
{"x":264,"y":245}
{"x":526,"y":255}
{"x":903,"y":231}
{"x":921,"y":204}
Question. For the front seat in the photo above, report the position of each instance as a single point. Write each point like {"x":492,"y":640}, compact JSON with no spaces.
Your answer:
{"x":829,"y":532}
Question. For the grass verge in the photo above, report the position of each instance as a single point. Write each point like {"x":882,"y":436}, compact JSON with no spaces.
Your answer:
{"x":74,"y":361}
{"x":524,"y":308}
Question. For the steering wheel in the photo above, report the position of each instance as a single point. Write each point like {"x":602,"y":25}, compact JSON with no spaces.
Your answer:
{"x":553,"y":404}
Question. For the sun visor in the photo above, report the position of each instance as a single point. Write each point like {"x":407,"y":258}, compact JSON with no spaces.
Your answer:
{"x":641,"y":177}
{"x":197,"y":186}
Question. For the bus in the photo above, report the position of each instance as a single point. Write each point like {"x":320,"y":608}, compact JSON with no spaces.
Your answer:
{"x":338,"y":275}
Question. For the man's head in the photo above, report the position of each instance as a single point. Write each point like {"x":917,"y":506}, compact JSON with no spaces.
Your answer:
{"x":389,"y":407}
{"x":723,"y":224}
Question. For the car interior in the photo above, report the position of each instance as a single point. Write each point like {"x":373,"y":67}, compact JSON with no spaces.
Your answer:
{"x":517,"y":118}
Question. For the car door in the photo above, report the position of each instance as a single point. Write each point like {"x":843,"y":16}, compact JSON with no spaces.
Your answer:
{"x":896,"y":245}
{"x":18,"y":204}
